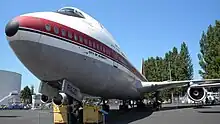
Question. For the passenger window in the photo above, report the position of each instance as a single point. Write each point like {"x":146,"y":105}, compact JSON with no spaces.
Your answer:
{"x":107,"y":51}
{"x":80,"y":39}
{"x":93,"y":44}
{"x":97,"y":46}
{"x":56,"y":30}
{"x":85,"y":41}
{"x":100,"y":47}
{"x":70,"y":35}
{"x":63,"y":32}
{"x":75,"y":37}
{"x":104,"y":49}
{"x":48,"y":27}
{"x":90,"y":43}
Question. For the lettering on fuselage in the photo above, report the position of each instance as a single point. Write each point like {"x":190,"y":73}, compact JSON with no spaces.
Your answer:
{"x":71,"y":89}
{"x":95,"y":54}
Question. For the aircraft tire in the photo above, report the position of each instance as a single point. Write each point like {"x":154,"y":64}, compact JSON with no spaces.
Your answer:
{"x":123,"y":107}
{"x":106,"y":108}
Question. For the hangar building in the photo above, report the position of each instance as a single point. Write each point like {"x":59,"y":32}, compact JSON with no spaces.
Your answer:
{"x":10,"y":87}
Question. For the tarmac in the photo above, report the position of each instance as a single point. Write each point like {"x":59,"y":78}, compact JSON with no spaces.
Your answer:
{"x":170,"y":114}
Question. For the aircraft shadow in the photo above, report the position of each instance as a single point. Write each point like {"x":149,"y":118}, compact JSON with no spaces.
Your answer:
{"x":175,"y":107}
{"x":133,"y":114}
{"x":124,"y":117}
{"x":9,"y":116}
{"x":209,"y":111}
{"x":187,"y":106}
{"x":202,"y":107}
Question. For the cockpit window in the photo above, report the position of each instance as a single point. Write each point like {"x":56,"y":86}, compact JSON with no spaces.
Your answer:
{"x":70,"y":12}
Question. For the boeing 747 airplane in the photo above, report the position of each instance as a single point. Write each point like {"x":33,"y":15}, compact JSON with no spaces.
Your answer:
{"x":73,"y":55}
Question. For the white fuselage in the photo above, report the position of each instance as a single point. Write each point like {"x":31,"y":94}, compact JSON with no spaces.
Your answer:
{"x":94,"y":64}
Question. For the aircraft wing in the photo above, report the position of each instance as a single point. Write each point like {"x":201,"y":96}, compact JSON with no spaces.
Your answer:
{"x":157,"y":86}
{"x":207,"y":85}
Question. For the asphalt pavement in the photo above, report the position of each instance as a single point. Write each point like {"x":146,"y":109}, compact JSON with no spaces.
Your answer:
{"x":168,"y":115}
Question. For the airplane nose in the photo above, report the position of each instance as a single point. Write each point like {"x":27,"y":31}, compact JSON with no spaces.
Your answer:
{"x":11,"y":28}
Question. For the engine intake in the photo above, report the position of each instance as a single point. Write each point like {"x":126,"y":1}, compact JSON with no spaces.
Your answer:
{"x":60,"y":99}
{"x":44,"y":98}
{"x":196,"y":94}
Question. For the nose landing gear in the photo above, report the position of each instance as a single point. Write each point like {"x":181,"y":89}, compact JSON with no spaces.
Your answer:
{"x":67,"y":101}
{"x":105,"y":107}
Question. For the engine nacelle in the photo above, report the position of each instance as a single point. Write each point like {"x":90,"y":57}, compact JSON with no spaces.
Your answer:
{"x":196,"y":94}
{"x":60,"y":99}
{"x":45,"y":99}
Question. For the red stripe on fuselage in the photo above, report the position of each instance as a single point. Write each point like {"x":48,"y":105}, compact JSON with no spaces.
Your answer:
{"x":40,"y":24}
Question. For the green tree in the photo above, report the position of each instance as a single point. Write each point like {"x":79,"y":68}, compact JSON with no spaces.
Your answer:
{"x":174,"y":64}
{"x":154,"y":68}
{"x":186,"y":69}
{"x":167,"y":64}
{"x":186,"y":66}
{"x":26,"y":95}
{"x":178,"y":64}
{"x":32,"y":90}
{"x":209,"y":56}
{"x":159,"y":68}
{"x":150,"y":69}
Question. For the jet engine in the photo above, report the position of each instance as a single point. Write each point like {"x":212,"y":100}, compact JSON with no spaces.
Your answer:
{"x":60,"y":99}
{"x":44,"y":98}
{"x":196,"y":94}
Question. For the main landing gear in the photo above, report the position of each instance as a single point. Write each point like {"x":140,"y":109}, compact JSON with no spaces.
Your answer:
{"x":140,"y":104}
{"x":157,"y":105}
{"x":74,"y":111}
{"x":124,"y":104}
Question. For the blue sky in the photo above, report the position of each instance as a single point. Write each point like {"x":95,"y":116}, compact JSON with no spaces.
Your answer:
{"x":142,"y":28}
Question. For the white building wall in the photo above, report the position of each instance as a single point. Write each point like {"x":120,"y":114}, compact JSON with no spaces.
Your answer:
{"x":36,"y":101}
{"x":9,"y":82}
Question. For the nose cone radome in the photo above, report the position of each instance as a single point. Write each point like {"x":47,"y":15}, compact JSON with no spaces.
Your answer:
{"x":11,"y":28}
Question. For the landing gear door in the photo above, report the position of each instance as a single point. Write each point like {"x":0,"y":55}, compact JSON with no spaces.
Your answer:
{"x":71,"y":90}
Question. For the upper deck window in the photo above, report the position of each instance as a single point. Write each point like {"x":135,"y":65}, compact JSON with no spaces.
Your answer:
{"x":85,"y":41}
{"x":71,"y":12}
{"x":90,"y":43}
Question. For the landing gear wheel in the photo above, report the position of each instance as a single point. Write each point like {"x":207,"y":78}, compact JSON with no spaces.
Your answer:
{"x":123,"y":107}
{"x":157,"y":105}
{"x":106,"y":107}
{"x":80,"y":116}
{"x":140,"y":104}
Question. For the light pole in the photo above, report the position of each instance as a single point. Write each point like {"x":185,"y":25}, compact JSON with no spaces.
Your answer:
{"x":170,"y":72}
{"x":171,"y":80}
